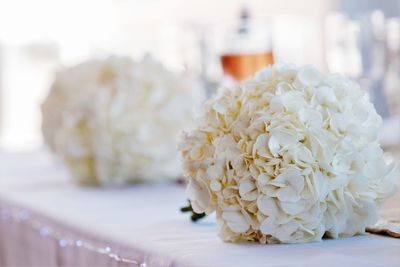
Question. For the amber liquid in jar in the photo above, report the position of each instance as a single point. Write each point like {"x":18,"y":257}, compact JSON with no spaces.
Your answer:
{"x":242,"y":66}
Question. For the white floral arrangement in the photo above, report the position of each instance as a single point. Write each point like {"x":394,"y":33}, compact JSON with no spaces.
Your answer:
{"x":115,"y":120}
{"x":289,"y":156}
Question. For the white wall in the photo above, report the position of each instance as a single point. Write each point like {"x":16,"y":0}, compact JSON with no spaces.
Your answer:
{"x":78,"y":29}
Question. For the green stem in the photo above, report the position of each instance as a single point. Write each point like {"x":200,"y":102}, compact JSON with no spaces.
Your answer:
{"x":195,"y":216}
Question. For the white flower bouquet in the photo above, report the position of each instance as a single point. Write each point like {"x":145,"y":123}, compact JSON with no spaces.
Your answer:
{"x":289,"y":156}
{"x":115,"y":120}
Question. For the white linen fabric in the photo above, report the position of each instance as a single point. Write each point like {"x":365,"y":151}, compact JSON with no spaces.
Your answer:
{"x":143,"y":225}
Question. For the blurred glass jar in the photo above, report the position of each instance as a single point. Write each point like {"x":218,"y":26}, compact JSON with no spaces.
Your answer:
{"x":235,"y":50}
{"x":357,"y":48}
{"x":392,"y":76}
{"x":342,"y":45}
{"x":247,"y":48}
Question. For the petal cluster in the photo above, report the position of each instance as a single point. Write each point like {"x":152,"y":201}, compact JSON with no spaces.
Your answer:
{"x":116,"y":120}
{"x":289,"y":156}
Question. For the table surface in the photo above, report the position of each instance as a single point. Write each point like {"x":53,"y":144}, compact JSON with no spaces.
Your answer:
{"x":147,"y":218}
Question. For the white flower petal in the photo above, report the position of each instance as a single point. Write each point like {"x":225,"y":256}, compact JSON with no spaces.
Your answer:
{"x":285,"y":230}
{"x":263,"y":179}
{"x":273,"y":145}
{"x":215,"y":171}
{"x":248,"y":190}
{"x":292,"y":208}
{"x":215,"y":186}
{"x":261,"y":145}
{"x":269,"y":226}
{"x":309,"y":76}
{"x":267,"y":205}
{"x":236,"y":221}
{"x":287,"y":194}
{"x":199,"y":195}
{"x":310,"y":117}
{"x":293,"y":101}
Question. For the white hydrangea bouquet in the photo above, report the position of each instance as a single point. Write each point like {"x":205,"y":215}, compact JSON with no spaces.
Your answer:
{"x":115,"y":120}
{"x":289,"y":156}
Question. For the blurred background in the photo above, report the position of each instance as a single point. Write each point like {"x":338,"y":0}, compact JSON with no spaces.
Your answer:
{"x":212,"y":41}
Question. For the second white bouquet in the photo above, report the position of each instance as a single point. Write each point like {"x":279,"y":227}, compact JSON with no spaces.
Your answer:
{"x":115,"y":120}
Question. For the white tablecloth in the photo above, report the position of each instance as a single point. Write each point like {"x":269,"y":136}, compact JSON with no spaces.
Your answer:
{"x":46,"y":220}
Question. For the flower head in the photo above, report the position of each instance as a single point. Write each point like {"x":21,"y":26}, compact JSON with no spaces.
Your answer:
{"x":116,"y":120}
{"x":288,"y":156}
